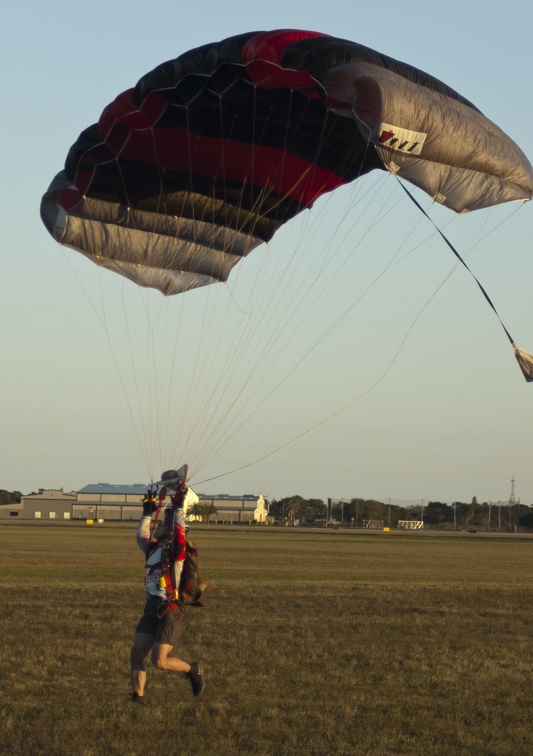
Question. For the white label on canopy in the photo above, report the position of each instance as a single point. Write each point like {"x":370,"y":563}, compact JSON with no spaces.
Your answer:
{"x":402,"y":140}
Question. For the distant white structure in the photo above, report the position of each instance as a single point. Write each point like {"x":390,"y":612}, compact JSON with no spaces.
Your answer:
{"x":191,"y":498}
{"x":411,"y":524}
{"x":230,"y":509}
{"x":374,"y":524}
{"x":261,"y":512}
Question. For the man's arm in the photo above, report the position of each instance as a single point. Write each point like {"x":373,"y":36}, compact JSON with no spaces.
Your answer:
{"x":143,"y":532}
{"x":143,"y":528}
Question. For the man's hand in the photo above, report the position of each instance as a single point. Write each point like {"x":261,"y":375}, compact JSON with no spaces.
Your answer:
{"x":149,"y":505}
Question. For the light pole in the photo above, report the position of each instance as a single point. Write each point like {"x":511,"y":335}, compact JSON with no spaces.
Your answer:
{"x":511,"y":503}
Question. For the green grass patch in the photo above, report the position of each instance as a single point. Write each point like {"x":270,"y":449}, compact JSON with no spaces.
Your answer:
{"x":313,"y":642}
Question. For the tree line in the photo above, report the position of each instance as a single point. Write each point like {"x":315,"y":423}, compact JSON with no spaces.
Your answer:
{"x":10,"y":497}
{"x":356,"y":512}
{"x":499,"y":516}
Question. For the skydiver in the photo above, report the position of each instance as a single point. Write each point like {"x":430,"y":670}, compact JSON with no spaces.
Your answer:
{"x":161,"y":625}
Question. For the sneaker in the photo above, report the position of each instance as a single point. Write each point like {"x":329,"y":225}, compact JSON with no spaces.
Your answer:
{"x":196,"y":678}
{"x":136,"y":698}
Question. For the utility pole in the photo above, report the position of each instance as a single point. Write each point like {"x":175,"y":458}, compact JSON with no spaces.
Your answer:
{"x":511,"y":503}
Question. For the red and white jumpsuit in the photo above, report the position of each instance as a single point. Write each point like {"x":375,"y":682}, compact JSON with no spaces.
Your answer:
{"x":154,"y":551}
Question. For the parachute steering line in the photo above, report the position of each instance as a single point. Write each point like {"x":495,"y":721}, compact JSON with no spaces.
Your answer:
{"x":523,"y":356}
{"x":524,"y":359}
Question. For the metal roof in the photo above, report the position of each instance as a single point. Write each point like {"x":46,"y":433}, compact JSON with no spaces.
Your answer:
{"x":227,"y":497}
{"x":109,"y":488}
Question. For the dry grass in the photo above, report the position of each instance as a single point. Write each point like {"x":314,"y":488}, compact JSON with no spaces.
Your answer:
{"x":313,"y":643}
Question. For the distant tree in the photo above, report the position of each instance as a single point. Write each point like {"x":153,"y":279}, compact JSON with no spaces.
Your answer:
{"x":471,"y":515}
{"x":208,"y":509}
{"x":195,"y":510}
{"x":287,"y":509}
{"x":275,"y":509}
{"x":293,"y":506}
{"x":10,"y":497}
{"x":311,"y":510}
{"x":296,"y":507}
{"x":305,"y":513}
{"x":358,"y":510}
{"x":415,"y":512}
{"x":437,"y":513}
{"x":481,"y":514}
{"x":526,"y":517}
{"x":370,"y":509}
{"x":466,"y":514}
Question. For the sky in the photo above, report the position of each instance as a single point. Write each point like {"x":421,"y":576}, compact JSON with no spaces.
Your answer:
{"x":393,"y":379}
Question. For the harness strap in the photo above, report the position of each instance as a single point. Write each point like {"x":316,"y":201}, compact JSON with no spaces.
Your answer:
{"x":166,"y":607}
{"x":169,"y":607}
{"x":169,"y":552}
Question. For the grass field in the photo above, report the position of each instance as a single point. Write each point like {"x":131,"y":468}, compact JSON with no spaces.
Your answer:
{"x":313,"y":642}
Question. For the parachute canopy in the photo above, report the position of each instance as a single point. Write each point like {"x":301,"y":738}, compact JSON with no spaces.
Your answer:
{"x":212,"y":152}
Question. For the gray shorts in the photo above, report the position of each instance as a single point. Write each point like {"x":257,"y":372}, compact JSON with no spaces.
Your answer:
{"x":168,"y":629}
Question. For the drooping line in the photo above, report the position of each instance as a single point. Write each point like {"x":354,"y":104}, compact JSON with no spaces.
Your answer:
{"x":524,"y":359}
{"x":456,"y":253}
{"x":526,"y":368}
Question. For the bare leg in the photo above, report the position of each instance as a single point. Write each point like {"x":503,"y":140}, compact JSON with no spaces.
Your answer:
{"x":162,"y":660}
{"x":142,"y":643}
